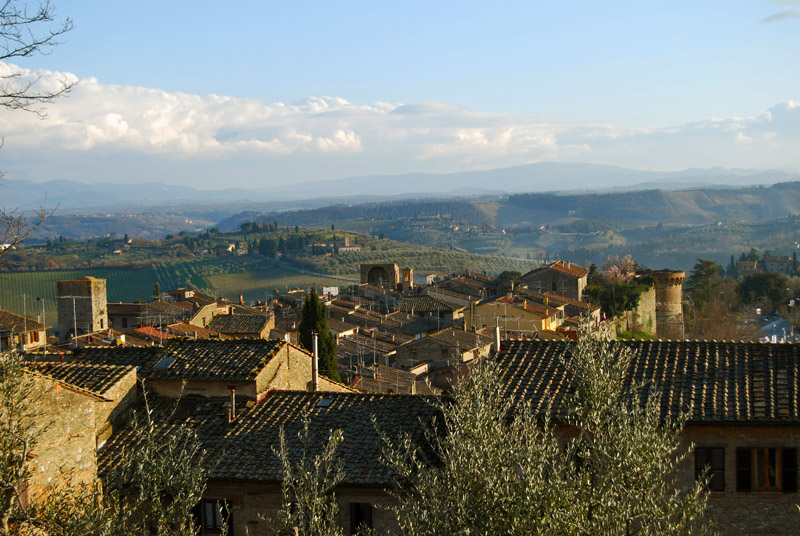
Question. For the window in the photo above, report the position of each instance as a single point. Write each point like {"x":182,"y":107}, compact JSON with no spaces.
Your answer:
{"x":714,"y":459}
{"x":214,"y":514}
{"x":766,"y":469}
{"x":554,"y":286}
{"x":124,"y":322}
{"x":323,"y":404}
{"x":360,"y":517}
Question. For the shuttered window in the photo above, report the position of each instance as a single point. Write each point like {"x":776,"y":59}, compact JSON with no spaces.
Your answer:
{"x":766,"y":469}
{"x":714,"y":459}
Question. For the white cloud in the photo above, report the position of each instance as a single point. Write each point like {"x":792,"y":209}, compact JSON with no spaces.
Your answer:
{"x":184,"y":137}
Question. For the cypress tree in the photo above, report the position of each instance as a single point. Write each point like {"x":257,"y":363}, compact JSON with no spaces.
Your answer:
{"x":315,"y":320}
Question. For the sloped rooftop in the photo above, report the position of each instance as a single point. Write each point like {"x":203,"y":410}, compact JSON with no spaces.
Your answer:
{"x":722,"y":382}
{"x":94,"y":378}
{"x":243,"y":450}
{"x":237,"y":324}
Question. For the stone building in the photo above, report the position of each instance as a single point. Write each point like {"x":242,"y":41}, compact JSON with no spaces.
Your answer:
{"x":247,"y":474}
{"x":23,"y":333}
{"x":82,"y":306}
{"x":64,"y":452}
{"x":243,"y":326}
{"x":113,"y":388}
{"x":382,"y":275}
{"x":562,"y":277}
{"x":208,"y":368}
{"x":669,"y":303}
{"x":744,"y":416}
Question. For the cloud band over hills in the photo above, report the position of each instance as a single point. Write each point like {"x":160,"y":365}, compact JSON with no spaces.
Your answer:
{"x":125,"y":133}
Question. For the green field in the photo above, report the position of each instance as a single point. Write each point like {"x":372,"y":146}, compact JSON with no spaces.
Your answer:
{"x":122,"y":285}
{"x":228,"y":277}
{"x":256,"y":284}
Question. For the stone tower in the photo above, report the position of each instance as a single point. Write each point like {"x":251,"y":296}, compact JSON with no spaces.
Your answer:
{"x":82,"y":306}
{"x":669,"y":303}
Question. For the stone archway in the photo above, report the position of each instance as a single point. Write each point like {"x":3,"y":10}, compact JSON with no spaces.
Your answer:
{"x":379,"y":276}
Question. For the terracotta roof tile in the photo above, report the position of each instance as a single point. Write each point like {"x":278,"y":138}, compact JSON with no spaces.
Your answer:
{"x":95,"y":378}
{"x":243,"y":450}
{"x":732,"y":382}
{"x":17,"y":323}
{"x":563,"y":267}
{"x":238,"y":324}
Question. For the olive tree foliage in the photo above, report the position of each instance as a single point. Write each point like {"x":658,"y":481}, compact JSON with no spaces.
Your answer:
{"x":309,"y":504}
{"x":605,"y":468}
{"x":159,"y":479}
{"x":481,"y":473}
{"x":627,"y":454}
{"x":65,"y":510}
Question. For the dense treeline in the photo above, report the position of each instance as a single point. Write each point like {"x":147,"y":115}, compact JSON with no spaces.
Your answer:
{"x":454,"y":209}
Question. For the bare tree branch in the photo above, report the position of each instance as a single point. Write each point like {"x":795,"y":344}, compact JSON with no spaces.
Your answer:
{"x":26,"y":32}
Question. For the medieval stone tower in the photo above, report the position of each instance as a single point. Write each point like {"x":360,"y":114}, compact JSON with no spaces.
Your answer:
{"x":82,"y":306}
{"x":669,"y":303}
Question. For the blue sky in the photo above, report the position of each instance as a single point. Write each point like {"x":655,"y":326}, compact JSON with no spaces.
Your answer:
{"x":261,"y":92}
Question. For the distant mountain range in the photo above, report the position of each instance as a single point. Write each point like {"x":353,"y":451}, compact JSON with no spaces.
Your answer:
{"x":540,"y":177}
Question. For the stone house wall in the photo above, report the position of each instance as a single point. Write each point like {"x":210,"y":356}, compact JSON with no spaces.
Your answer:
{"x":252,"y":502}
{"x":110,"y":415}
{"x":210,"y":388}
{"x":203,"y":316}
{"x":90,"y":306}
{"x":552,"y":280}
{"x":65,"y":451}
{"x":744,"y":513}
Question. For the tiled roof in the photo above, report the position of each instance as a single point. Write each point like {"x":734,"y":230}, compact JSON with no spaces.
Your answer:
{"x":17,"y":323}
{"x":184,"y":329}
{"x":238,"y":324}
{"x":237,"y":360}
{"x":95,"y":378}
{"x":422,"y":303}
{"x":243,"y":450}
{"x":575,"y":303}
{"x":723,"y":382}
{"x":563,"y":267}
{"x":153,"y":333}
{"x":339,"y":327}
{"x":287,"y":324}
{"x":124,"y":308}
{"x":462,"y":339}
{"x":155,"y":307}
{"x":145,"y":356}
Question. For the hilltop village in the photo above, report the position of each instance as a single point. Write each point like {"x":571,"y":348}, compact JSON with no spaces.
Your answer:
{"x":239,"y":374}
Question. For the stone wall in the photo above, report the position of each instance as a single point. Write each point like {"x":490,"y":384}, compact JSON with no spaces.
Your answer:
{"x":64,"y":455}
{"x":82,"y":306}
{"x":745,"y":513}
{"x":252,"y":503}
{"x":111,"y":415}
{"x":551,"y":280}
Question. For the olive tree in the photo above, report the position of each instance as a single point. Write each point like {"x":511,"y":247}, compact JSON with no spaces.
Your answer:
{"x":309,"y":504}
{"x":605,"y":466}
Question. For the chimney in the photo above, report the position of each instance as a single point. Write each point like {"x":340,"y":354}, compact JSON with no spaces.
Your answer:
{"x":497,"y":338}
{"x":233,"y":403}
{"x":315,"y":366}
{"x":195,"y":334}
{"x":241,"y":299}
